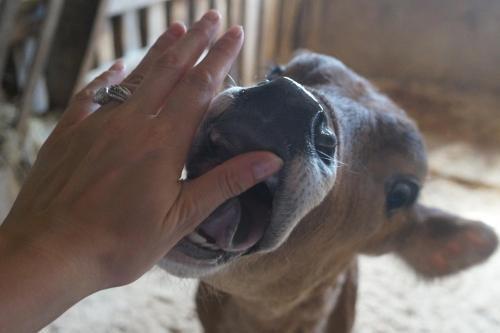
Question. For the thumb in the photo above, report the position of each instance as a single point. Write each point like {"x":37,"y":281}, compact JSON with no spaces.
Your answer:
{"x":201,"y":196}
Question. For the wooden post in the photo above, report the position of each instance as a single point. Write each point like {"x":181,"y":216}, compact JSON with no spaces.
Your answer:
{"x":249,"y":53}
{"x":73,"y":41}
{"x":180,"y":11}
{"x":289,"y":15}
{"x":130,"y":31}
{"x":269,"y":38}
{"x":106,"y":50}
{"x":236,"y":16}
{"x":156,"y":22}
{"x":9,"y":9}
{"x":221,"y":6}
{"x":200,"y":7}
{"x":35,"y":73}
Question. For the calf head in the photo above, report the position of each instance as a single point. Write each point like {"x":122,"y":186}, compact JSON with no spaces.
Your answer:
{"x":353,"y":168}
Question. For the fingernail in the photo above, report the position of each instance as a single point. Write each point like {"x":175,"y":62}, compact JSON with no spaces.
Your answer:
{"x":266,"y":168}
{"x":212,"y":16}
{"x":235,"y":32}
{"x":118,"y":66}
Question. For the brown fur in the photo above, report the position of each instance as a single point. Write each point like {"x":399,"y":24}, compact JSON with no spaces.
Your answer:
{"x":309,"y":283}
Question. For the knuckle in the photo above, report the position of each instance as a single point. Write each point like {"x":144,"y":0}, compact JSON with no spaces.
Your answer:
{"x":103,"y":78}
{"x":222,"y":49}
{"x":169,"y":61}
{"x":84,"y":95}
{"x":159,"y":45}
{"x":134,"y":80}
{"x":200,"y":32}
{"x":230,"y":185}
{"x":202,"y":80}
{"x":188,"y":211}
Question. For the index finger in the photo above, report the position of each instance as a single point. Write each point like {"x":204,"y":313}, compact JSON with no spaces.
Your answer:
{"x":189,"y":100}
{"x":171,"y":66}
{"x":166,"y":40}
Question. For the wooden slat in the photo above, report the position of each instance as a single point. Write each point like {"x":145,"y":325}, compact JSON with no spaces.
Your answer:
{"x":7,"y":20}
{"x":316,"y":23}
{"x":307,"y":25}
{"x":118,"y":7}
{"x":48,"y":30}
{"x":130,"y":31}
{"x":179,"y":11}
{"x":221,"y":6}
{"x":260,"y":69}
{"x":73,"y":41}
{"x":289,"y":13}
{"x":22,"y":59}
{"x":200,"y":8}
{"x":156,"y":20}
{"x":117,"y":26}
{"x":269,"y":39}
{"x":105,"y":51}
{"x":249,"y":52}
{"x":237,"y":10}
{"x":235,"y":16}
{"x":190,"y":6}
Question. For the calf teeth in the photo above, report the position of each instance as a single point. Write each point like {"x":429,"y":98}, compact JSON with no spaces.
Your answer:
{"x":272,"y":184}
{"x":210,"y":246}
{"x":201,"y":241}
{"x":197,"y":238}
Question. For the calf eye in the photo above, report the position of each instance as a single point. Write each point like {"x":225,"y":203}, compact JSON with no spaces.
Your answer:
{"x":325,"y":142}
{"x":402,"y":193}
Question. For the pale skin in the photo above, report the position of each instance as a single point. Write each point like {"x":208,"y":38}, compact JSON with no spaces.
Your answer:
{"x":103,"y":202}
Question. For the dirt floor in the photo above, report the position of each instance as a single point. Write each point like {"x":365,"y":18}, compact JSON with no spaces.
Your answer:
{"x":462,"y":129}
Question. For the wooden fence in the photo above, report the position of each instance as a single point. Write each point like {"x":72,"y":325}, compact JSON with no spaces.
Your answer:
{"x":79,"y":38}
{"x":273,"y":30}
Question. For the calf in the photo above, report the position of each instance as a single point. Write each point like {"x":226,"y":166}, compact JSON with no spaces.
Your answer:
{"x":282,"y":256}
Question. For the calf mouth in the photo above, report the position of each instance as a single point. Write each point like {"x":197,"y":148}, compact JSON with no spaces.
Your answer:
{"x":235,"y":228}
{"x":281,"y":117}
{"x":247,"y":216}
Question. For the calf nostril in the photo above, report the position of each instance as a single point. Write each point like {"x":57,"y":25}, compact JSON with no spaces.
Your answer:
{"x":242,"y":94}
{"x":214,"y":137}
{"x":325,"y":141}
{"x":218,"y":145}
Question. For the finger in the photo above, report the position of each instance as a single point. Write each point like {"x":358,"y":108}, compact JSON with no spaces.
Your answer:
{"x":201,"y":196}
{"x":82,"y":104}
{"x":196,"y":90}
{"x":166,"y":40}
{"x":171,"y":65}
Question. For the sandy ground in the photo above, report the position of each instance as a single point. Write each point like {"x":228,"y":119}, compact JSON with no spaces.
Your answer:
{"x":392,"y":299}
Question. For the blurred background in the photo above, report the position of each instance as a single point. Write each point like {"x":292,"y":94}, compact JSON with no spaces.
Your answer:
{"x":437,"y":58}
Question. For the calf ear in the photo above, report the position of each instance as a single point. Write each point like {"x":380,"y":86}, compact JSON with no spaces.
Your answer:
{"x":439,"y":243}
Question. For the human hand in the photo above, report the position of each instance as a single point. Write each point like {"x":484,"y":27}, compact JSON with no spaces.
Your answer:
{"x":104,"y":195}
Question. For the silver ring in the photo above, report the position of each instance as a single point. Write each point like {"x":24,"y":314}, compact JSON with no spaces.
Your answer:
{"x":115,"y":92}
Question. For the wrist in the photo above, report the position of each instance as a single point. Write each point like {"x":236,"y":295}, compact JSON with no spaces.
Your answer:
{"x":60,"y":256}
{"x":35,"y":282}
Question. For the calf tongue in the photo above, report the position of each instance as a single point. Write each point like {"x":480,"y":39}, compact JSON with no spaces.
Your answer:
{"x":222,"y":226}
